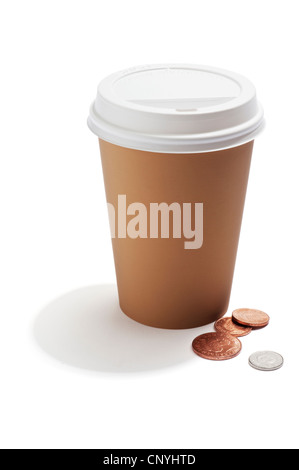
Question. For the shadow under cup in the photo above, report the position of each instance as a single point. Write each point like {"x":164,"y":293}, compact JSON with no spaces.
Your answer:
{"x":161,"y":282}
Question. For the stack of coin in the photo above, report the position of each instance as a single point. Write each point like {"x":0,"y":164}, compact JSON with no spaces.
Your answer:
{"x":251,"y":318}
{"x":224,"y":344}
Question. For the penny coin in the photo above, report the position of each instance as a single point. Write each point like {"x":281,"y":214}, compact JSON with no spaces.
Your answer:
{"x":226,"y":325}
{"x":216,"y":346}
{"x":251,"y":317}
{"x":266,"y":360}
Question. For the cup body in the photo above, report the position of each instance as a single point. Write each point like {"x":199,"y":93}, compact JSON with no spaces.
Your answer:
{"x":162,"y":280}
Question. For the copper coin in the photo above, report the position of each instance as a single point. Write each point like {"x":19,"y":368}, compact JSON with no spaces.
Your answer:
{"x":216,"y":346}
{"x":226,"y":325}
{"x":251,"y":317}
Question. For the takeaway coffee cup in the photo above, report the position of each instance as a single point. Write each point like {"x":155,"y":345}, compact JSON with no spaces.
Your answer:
{"x":176,"y":144}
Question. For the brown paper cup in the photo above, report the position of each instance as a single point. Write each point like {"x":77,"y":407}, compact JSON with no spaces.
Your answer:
{"x":160,"y":282}
{"x":176,"y":143}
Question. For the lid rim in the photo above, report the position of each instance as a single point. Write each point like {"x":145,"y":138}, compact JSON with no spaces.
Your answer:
{"x":189,"y":147}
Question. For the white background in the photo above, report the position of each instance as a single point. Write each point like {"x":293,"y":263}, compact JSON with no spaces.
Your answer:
{"x":75,"y":372}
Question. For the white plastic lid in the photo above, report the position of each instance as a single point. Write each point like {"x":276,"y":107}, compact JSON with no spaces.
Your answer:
{"x":176,"y":109}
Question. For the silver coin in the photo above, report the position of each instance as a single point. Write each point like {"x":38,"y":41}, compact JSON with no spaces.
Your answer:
{"x":266,"y":360}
